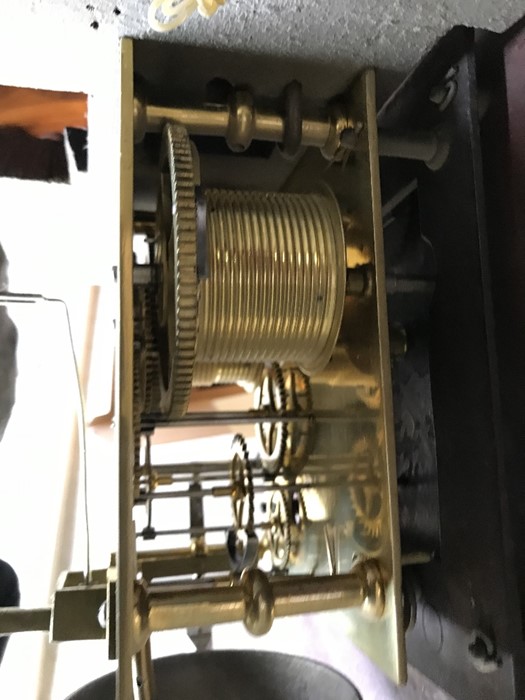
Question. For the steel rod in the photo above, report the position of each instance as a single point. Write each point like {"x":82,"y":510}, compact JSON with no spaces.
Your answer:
{"x":409,"y":146}
{"x":204,"y":471}
{"x":225,"y":491}
{"x":215,"y":122}
{"x":175,"y":479}
{"x":14,"y":620}
{"x":270,"y":127}
{"x":200,"y":530}
{"x":192,"y":467}
{"x":250,"y":417}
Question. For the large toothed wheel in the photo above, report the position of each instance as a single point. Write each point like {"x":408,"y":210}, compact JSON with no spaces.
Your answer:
{"x":176,"y":259}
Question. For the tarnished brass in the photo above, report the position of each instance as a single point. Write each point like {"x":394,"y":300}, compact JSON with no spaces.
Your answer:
{"x":238,"y":121}
{"x":363,"y":517}
{"x":178,"y":607}
{"x":124,"y":382}
{"x":75,"y":613}
{"x":298,"y":280}
{"x":84,"y":612}
{"x":336,"y":135}
{"x":256,"y":599}
{"x":180,"y":562}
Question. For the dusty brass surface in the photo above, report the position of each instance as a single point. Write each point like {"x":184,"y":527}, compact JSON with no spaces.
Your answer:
{"x":276,"y":283}
{"x":363,"y":518}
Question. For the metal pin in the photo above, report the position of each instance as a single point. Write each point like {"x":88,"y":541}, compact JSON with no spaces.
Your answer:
{"x":250,"y":417}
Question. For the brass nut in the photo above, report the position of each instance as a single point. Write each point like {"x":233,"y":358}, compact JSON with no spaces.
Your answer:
{"x":373,"y":587}
{"x":258,"y":602}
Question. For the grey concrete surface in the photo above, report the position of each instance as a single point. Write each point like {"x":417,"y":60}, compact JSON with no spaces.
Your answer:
{"x":324,"y":41}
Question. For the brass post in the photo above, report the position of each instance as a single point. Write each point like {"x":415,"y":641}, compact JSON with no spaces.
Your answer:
{"x":257,"y":599}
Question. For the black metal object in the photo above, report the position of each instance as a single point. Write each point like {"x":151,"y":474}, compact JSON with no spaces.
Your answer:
{"x":410,"y":108}
{"x":9,"y":595}
{"x":235,"y":675}
{"x":410,"y":288}
{"x":27,"y":157}
{"x":501,"y":77}
{"x":477,"y":376}
{"x":293,"y":119}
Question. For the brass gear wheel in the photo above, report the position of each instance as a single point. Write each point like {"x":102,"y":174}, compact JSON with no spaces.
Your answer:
{"x":367,"y":505}
{"x":300,"y":435}
{"x":242,"y":493}
{"x":139,"y":369}
{"x":139,"y":350}
{"x":287,"y":519}
{"x":280,"y":535}
{"x":176,"y":259}
{"x":153,"y":381}
{"x":366,"y":494}
{"x":271,"y":395}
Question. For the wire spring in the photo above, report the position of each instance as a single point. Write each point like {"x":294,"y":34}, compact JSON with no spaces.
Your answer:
{"x":13,"y":298}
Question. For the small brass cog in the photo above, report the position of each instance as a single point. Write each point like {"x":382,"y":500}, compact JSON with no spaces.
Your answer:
{"x":139,"y":369}
{"x":298,"y":523}
{"x":280,"y":537}
{"x":241,"y":478}
{"x":270,"y":395}
{"x":367,"y":504}
{"x":300,"y":435}
{"x":153,"y":380}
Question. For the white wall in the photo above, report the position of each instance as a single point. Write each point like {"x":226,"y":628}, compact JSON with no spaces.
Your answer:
{"x":61,"y":241}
